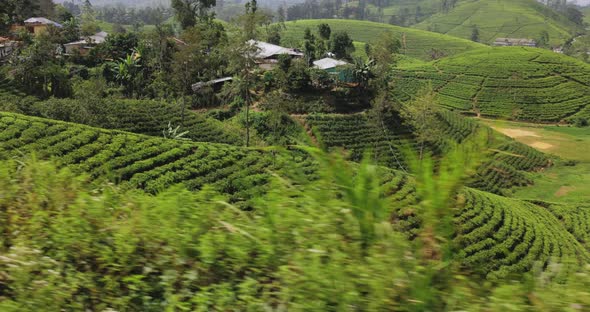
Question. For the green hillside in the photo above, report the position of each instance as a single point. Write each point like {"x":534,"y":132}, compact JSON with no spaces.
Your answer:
{"x":419,"y":43}
{"x":358,"y":133}
{"x":501,"y":18}
{"x":149,"y":163}
{"x":509,"y":236}
{"x":517,"y":83}
{"x":149,"y":117}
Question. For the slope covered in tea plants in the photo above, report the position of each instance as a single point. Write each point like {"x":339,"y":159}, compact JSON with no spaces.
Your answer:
{"x":517,"y":83}
{"x":501,"y":19}
{"x":359,"y":133}
{"x":149,"y":117}
{"x":154,"y":164}
{"x":418,"y":43}
{"x":149,"y":163}
{"x":499,"y":236}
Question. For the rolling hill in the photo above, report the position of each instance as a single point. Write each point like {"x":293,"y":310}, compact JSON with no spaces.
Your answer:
{"x":500,"y":19}
{"x":419,"y":43}
{"x":510,"y":82}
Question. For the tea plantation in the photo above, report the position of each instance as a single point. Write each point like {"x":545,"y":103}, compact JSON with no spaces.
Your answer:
{"x":358,"y":133}
{"x":511,"y":82}
{"x":509,"y":235}
{"x":418,"y":43}
{"x":149,"y":117}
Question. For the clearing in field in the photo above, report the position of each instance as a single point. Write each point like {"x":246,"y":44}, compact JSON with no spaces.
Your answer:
{"x":569,"y":179}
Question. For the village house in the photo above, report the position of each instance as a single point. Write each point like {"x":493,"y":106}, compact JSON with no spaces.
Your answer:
{"x":84,"y":45}
{"x":340,"y":70}
{"x":267,"y":54}
{"x":7,"y":46}
{"x":35,"y":25}
{"x":514,"y":42}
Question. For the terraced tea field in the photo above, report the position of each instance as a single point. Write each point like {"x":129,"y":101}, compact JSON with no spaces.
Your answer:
{"x":149,"y":163}
{"x":515,"y":233}
{"x":419,"y":43}
{"x":508,"y":160}
{"x":513,"y":83}
{"x":149,"y":117}
{"x":500,"y":236}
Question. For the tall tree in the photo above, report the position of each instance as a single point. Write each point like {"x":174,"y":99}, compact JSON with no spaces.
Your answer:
{"x":188,"y":12}
{"x":342,"y":45}
{"x":89,"y":25}
{"x":475,"y":33}
{"x":324,"y":31}
{"x":422,"y":115}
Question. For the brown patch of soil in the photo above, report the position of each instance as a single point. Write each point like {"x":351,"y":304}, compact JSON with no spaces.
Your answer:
{"x":564,"y":190}
{"x":541,"y":145}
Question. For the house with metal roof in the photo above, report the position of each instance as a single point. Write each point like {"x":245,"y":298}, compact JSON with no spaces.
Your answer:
{"x":340,"y":70}
{"x":267,"y":54}
{"x":328,"y":63}
{"x":35,"y":25}
{"x":85,"y":44}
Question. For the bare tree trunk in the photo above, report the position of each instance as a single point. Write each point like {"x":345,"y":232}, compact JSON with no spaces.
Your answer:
{"x":247,"y":117}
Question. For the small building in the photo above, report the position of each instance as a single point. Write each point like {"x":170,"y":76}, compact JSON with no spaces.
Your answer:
{"x":267,"y":54}
{"x":514,"y":42}
{"x":35,"y":25}
{"x":84,"y":45}
{"x":216,"y":84}
{"x":7,"y":46}
{"x":340,"y":70}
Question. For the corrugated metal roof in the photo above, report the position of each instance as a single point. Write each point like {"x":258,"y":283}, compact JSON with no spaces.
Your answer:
{"x":266,"y":49}
{"x":327,"y":63}
{"x":42,"y":20}
{"x":99,"y":37}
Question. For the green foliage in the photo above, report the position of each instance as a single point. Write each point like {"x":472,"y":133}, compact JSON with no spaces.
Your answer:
{"x":189,"y":12}
{"x":324,"y":31}
{"x":298,"y":77}
{"x":341,"y":45}
{"x":68,"y":244}
{"x":139,"y":116}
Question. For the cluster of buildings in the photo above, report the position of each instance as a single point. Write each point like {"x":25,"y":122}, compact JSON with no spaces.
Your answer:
{"x":514,"y":42}
{"x":38,"y":25}
{"x":267,"y":57}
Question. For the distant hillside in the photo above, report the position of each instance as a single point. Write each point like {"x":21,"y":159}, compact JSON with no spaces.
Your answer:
{"x":511,"y":82}
{"x":419,"y":43}
{"x":501,"y":18}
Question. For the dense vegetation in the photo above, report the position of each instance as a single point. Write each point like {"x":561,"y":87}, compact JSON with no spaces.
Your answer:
{"x":516,"y":83}
{"x":100,"y":246}
{"x":149,"y":117}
